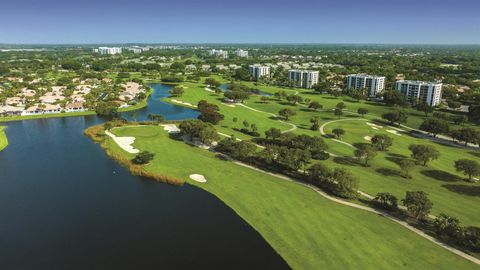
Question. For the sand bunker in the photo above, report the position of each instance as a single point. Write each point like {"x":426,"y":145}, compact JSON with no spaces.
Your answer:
{"x":367,"y":138}
{"x":171,"y":128}
{"x":124,"y":142}
{"x":181,"y":102}
{"x":209,"y":90}
{"x":374,"y":126}
{"x":198,"y":177}
{"x":394,"y":132}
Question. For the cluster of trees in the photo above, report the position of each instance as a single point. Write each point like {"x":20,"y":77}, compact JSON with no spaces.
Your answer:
{"x":437,"y":125}
{"x":209,"y":113}
{"x":338,"y":181}
{"x":107,"y":109}
{"x":198,"y":130}
{"x":238,"y":92}
{"x":249,"y":129}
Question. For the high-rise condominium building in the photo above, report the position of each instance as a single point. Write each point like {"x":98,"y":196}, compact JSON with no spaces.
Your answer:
{"x":258,"y":71}
{"x":109,"y":50}
{"x":420,"y":92}
{"x":241,"y":53}
{"x":303,"y":78}
{"x":373,"y":84}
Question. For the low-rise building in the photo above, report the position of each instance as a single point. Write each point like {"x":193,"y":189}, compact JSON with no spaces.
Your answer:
{"x":373,"y":84}
{"x":420,"y":92}
{"x":303,"y":78}
{"x":74,"y":107}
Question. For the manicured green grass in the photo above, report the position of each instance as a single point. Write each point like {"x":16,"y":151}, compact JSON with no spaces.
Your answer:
{"x":307,"y":230}
{"x":450,"y":194}
{"x":3,"y":138}
{"x":446,"y":187}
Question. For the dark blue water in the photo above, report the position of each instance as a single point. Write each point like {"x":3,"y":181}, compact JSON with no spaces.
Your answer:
{"x":65,"y":205}
{"x":156,"y":106}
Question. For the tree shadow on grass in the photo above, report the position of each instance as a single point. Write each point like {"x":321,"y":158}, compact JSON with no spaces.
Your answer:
{"x":348,"y":161}
{"x":387,"y":172}
{"x":441,"y":175}
{"x":464,"y":189}
{"x":476,"y":154}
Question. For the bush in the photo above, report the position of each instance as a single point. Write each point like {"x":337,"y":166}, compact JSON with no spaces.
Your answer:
{"x":143,"y":157}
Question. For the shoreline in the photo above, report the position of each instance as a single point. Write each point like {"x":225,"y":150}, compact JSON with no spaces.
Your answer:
{"x":3,"y":138}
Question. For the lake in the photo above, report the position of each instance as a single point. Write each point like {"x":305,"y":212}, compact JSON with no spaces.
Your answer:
{"x":65,"y":205}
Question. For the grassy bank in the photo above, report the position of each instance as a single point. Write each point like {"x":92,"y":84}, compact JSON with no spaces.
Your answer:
{"x":307,"y":230}
{"x":3,"y":138}
{"x":97,"y":134}
{"x":42,"y":116}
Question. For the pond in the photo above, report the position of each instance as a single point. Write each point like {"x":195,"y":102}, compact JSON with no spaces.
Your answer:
{"x":65,"y":205}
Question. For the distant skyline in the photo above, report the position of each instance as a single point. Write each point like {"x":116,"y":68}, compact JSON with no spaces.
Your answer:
{"x":227,"y":21}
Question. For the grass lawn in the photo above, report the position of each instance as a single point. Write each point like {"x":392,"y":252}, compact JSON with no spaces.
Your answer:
{"x":446,"y":187}
{"x":309,"y":231}
{"x":450,"y":194}
{"x":3,"y":138}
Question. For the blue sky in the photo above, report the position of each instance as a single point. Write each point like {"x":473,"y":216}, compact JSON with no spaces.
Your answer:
{"x":227,"y":21}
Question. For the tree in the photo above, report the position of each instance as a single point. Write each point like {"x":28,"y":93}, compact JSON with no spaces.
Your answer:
{"x":315,"y":123}
{"x":143,"y":157}
{"x":467,"y":134}
{"x":474,"y":113}
{"x":177,"y":66}
{"x":362,"y":111}
{"x":264,"y":99}
{"x":245,"y":123}
{"x":434,"y":126}
{"x":195,"y":129}
{"x":341,"y":106}
{"x":423,"y":153}
{"x":381,"y":141}
{"x":396,"y":116}
{"x":468,"y":167}
{"x":286,"y":113}
{"x":273,"y":133}
{"x":209,"y":112}
{"x":156,"y":117}
{"x":338,"y":112}
{"x":177,"y":91}
{"x":314,"y":105}
{"x":454,"y":105}
{"x":243,"y":150}
{"x":447,"y":225}
{"x":338,"y":133}
{"x":471,"y":238}
{"x":344,"y":184}
{"x":418,"y":204}
{"x":106,"y":108}
{"x":425,"y":108}
{"x":458,"y":119}
{"x":406,"y":166}
{"x":394,"y":97}
{"x":294,"y":99}
{"x":211,"y":82}
{"x":366,"y":153}
{"x":386,"y":201}
{"x":319,"y":173}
